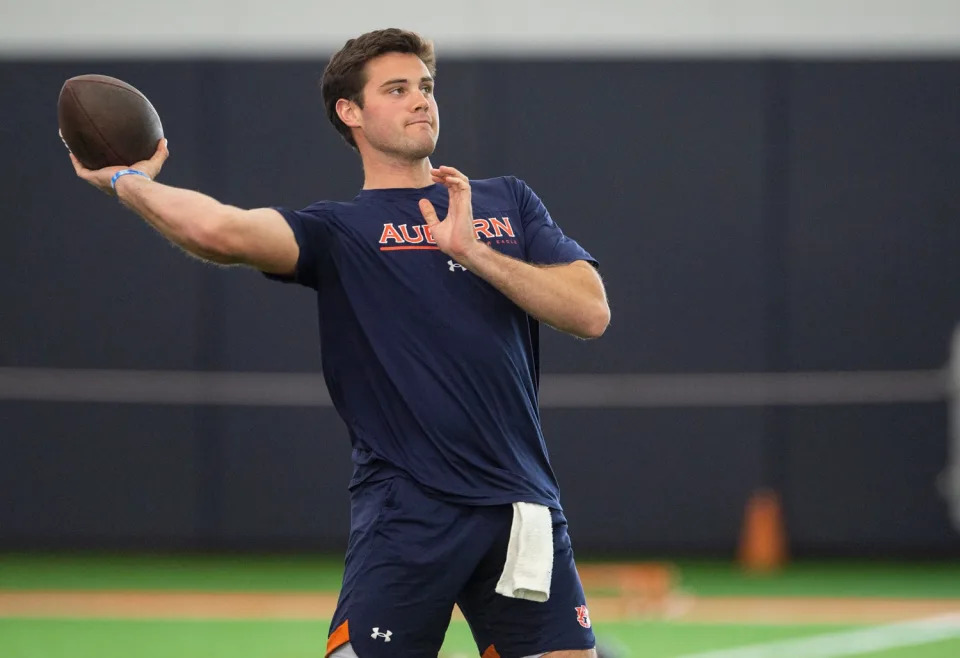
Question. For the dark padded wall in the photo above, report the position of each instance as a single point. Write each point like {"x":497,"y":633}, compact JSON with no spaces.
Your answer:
{"x":748,"y":215}
{"x":872,"y":223}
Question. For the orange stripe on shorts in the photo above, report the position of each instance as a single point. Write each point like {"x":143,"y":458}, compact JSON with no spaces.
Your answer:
{"x":491,"y":652}
{"x":338,"y":638}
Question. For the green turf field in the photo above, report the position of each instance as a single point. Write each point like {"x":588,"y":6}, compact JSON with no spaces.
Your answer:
{"x":33,"y":636}
{"x":322,"y":573}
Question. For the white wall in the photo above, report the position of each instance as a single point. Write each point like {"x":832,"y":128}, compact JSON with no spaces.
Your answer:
{"x":283,"y":27}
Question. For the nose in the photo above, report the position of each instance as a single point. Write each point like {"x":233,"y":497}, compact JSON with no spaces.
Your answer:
{"x":422,"y":100}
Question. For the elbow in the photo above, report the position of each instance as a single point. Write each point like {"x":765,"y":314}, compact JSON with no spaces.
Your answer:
{"x":596,"y":322}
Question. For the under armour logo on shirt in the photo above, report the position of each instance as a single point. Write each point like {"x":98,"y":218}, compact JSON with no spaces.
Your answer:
{"x":376,"y":633}
{"x":454,"y":266}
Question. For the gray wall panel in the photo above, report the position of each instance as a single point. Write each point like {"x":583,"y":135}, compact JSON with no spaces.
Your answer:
{"x":872,"y":226}
{"x":98,"y":475}
{"x":864,"y":479}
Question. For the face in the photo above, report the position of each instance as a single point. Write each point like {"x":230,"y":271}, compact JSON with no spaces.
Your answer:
{"x":399,"y":115}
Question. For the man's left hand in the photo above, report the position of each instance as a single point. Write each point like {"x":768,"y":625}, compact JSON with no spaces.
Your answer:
{"x":455,"y":234}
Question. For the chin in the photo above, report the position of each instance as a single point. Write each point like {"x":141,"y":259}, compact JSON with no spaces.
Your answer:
{"x":418,"y":151}
{"x":425,"y":153}
{"x":408,"y":149}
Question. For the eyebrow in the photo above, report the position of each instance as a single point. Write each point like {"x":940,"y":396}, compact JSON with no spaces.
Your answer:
{"x":425,"y":78}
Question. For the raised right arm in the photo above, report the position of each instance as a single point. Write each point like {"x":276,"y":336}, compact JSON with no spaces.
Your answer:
{"x":199,"y":224}
{"x":211,"y":230}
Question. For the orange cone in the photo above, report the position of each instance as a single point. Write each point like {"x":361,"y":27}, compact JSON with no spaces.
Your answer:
{"x":763,"y":542}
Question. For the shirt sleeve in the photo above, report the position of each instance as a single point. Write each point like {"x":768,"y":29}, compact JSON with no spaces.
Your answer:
{"x":311,"y":228}
{"x":545,"y":243}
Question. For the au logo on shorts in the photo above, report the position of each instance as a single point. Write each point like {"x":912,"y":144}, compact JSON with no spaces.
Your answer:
{"x":583,"y":616}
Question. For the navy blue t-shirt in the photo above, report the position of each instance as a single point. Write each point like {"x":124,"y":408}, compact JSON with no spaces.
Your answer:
{"x":434,"y":371}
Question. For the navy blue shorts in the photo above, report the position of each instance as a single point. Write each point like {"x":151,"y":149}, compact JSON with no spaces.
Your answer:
{"x":411,"y":557}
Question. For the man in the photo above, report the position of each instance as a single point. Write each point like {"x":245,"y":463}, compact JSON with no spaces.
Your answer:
{"x":429,"y":338}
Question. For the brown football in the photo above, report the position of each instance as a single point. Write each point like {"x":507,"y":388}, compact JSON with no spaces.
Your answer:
{"x":106,"y":122}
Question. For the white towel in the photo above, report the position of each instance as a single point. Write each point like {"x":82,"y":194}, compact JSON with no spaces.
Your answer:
{"x":529,"y":565}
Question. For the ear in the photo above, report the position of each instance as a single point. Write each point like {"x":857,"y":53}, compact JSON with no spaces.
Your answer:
{"x":349,"y":113}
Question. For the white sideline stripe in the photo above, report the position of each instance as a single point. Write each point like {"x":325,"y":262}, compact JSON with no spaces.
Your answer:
{"x":848,"y":643}
{"x":558,"y":391}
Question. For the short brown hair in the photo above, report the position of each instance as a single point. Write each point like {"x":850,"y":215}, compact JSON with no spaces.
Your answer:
{"x":344,"y":76}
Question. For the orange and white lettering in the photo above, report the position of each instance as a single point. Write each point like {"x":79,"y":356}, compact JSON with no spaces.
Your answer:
{"x":501,"y":227}
{"x":390,"y":233}
{"x":412,"y":239}
{"x":482,"y":226}
{"x":428,"y":234}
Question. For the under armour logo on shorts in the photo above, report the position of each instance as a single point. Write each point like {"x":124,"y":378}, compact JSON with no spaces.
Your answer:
{"x":376,"y":633}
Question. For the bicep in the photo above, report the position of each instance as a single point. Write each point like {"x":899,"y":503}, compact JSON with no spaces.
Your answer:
{"x":263,"y":239}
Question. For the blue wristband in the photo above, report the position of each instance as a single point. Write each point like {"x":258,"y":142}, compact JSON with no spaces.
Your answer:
{"x":124,"y":172}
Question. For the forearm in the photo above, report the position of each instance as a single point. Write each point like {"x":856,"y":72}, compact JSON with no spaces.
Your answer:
{"x":191,"y":220}
{"x":568,"y":297}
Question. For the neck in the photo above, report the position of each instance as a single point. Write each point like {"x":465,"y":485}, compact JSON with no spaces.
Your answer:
{"x":382,"y":171}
